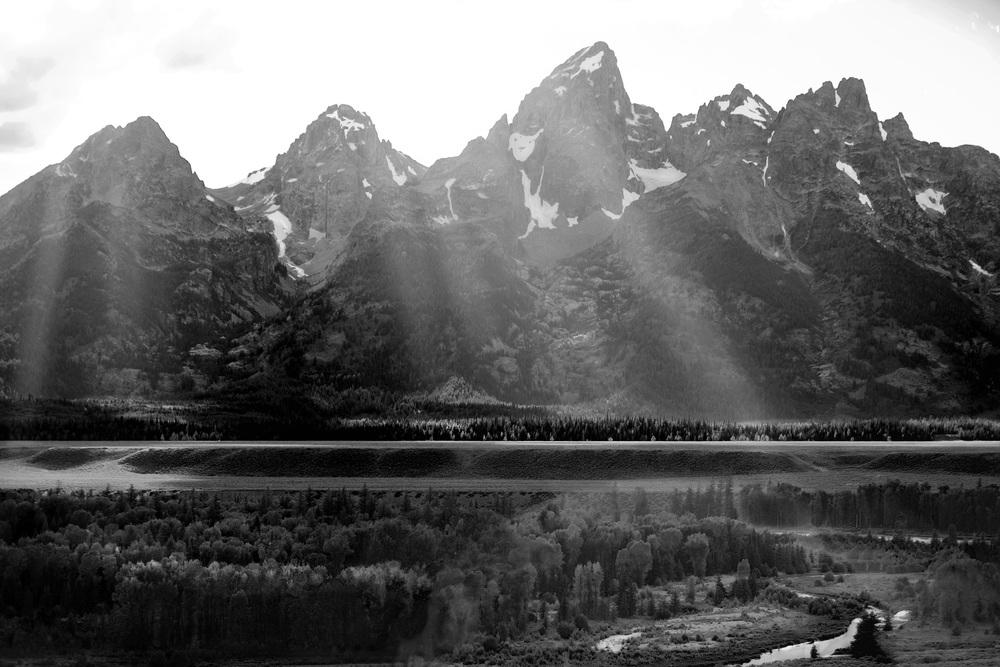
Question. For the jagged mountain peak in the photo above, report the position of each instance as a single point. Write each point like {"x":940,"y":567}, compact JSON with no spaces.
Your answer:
{"x":848,"y":96}
{"x":143,"y":134}
{"x":349,"y":118}
{"x":587,"y":60}
{"x":587,"y":78}
{"x":852,"y":95}
{"x":499,"y":134}
{"x":740,"y":107}
{"x":335,"y":174}
{"x":897,"y":127}
{"x":132,"y":165}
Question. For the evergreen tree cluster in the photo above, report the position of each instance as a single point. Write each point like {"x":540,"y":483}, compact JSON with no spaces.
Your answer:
{"x":299,"y":417}
{"x":356,"y":575}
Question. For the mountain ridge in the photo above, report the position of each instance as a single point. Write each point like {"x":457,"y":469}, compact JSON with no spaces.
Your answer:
{"x":740,"y":262}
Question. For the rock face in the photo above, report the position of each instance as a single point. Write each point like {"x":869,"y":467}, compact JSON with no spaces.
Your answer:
{"x":743,"y":262}
{"x":557,"y":178}
{"x":121,"y":274}
{"x":330,"y":178}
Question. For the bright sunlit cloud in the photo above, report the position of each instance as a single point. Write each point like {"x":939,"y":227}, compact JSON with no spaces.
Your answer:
{"x":233,"y":83}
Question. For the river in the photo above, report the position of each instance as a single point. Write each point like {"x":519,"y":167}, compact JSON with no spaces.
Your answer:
{"x":824,"y":648}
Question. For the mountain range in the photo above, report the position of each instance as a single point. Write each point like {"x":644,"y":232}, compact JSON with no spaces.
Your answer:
{"x":739,"y":262}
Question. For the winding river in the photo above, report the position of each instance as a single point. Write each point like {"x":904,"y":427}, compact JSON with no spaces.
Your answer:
{"x":824,"y":648}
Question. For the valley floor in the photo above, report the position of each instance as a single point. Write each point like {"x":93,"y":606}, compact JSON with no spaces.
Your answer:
{"x":560,"y":467}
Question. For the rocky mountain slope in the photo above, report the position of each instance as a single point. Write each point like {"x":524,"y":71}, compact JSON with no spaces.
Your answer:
{"x":121,"y":274}
{"x":744,"y":261}
{"x":333,"y":176}
{"x":741,"y":262}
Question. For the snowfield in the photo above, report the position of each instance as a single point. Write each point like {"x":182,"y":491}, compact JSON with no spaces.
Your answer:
{"x":849,"y":170}
{"x":522,"y":145}
{"x":931,"y":200}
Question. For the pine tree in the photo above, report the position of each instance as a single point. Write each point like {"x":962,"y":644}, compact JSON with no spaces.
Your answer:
{"x":865,"y":643}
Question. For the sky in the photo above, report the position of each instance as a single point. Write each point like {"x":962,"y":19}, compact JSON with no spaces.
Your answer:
{"x":234,"y":83}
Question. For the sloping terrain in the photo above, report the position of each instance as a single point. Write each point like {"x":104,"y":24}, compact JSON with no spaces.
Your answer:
{"x":742,"y":262}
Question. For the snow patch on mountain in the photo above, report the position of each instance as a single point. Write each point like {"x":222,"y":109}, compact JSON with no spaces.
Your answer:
{"x":637,"y":118}
{"x":688,"y":123}
{"x":836,"y":99}
{"x":866,"y":200}
{"x":658,"y":177}
{"x":251,"y":178}
{"x":978,"y":269}
{"x":589,"y":65}
{"x":752,"y":109}
{"x":849,"y":170}
{"x":399,"y":177}
{"x":767,"y":163}
{"x":451,"y":217}
{"x":723,"y":105}
{"x":931,"y":200}
{"x":627,"y":198}
{"x":882,"y":131}
{"x":543,"y":214}
{"x":346,"y":124}
{"x":522,"y":145}
{"x":282,"y":227}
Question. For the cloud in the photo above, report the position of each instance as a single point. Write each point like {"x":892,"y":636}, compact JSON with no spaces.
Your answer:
{"x":17,"y":91}
{"x":16,"y":95}
{"x":185,"y":58}
{"x":14,"y":135}
{"x":198,"y":44}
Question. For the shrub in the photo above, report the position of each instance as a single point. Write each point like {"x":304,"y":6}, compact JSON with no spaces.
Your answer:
{"x":581,"y":623}
{"x":564,"y":630}
{"x":490,"y":643}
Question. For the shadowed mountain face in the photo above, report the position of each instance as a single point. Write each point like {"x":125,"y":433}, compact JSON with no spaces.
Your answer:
{"x":121,"y":275}
{"x":742,"y":262}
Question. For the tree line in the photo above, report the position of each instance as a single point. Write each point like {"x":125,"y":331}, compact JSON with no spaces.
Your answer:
{"x":889,"y":506}
{"x":353,"y":575}
{"x":302,"y":420}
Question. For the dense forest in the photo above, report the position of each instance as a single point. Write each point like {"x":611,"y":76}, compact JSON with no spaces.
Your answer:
{"x":358,"y":574}
{"x":378,"y":576}
{"x":291,"y":419}
{"x":886,"y":507}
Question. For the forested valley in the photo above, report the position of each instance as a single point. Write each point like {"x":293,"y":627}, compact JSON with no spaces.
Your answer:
{"x":360,"y":575}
